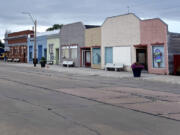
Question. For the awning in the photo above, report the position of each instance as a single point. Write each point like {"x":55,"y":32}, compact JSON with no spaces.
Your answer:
{"x":141,"y":45}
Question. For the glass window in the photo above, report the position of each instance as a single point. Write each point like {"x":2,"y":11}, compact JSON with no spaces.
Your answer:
{"x":158,"y":56}
{"x":65,"y":52}
{"x":73,"y":53}
{"x":96,"y":56}
{"x":108,"y":55}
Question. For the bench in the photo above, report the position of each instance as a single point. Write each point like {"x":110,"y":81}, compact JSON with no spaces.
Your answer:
{"x":114,"y":65}
{"x":68,"y":63}
{"x":16,"y":60}
{"x":9,"y":60}
{"x":51,"y":62}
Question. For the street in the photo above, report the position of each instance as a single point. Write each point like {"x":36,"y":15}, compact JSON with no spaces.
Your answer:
{"x":36,"y":101}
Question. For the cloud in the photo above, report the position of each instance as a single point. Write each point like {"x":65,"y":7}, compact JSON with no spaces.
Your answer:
{"x":48,"y":12}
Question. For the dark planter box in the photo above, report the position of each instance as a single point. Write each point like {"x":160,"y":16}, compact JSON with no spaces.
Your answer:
{"x":178,"y":73}
{"x":43,"y":64}
{"x":137,"y":72}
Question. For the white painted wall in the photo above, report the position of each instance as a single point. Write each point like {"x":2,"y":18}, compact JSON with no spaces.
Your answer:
{"x":122,"y":55}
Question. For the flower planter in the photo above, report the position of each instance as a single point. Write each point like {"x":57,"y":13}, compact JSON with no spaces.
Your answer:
{"x":137,"y":72}
{"x":137,"y":68}
{"x":43,"y":64}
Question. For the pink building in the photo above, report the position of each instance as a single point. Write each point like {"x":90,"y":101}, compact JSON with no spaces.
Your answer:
{"x":153,"y":48}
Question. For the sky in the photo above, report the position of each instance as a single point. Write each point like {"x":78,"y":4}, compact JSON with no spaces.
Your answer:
{"x":49,"y":12}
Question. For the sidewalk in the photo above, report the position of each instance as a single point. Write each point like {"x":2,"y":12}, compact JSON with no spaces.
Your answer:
{"x":97,"y":72}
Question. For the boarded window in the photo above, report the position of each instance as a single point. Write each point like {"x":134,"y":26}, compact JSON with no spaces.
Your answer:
{"x":122,"y":55}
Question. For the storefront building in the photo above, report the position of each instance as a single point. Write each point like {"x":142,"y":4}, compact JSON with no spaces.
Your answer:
{"x":91,"y":53}
{"x":72,"y":38}
{"x":53,"y":45}
{"x":152,"y":52}
{"x":119,"y":35}
{"x":16,"y":43}
{"x":41,"y":46}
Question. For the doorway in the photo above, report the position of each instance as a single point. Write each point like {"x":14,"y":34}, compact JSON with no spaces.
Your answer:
{"x":141,"y":56}
{"x":57,"y":56}
{"x":86,"y":57}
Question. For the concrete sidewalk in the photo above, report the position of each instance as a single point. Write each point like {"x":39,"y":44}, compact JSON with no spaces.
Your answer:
{"x":97,"y":72}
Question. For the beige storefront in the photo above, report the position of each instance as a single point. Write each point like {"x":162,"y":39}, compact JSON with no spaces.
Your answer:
{"x":119,"y":35}
{"x":92,"y":50}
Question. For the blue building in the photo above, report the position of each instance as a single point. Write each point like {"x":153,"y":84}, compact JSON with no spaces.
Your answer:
{"x":41,"y":46}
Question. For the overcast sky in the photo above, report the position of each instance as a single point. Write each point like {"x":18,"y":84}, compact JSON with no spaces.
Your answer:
{"x":49,"y":12}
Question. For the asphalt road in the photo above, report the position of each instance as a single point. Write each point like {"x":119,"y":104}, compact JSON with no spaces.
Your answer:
{"x":31,"y":105}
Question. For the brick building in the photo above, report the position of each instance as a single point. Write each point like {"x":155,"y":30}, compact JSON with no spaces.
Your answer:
{"x":16,"y":44}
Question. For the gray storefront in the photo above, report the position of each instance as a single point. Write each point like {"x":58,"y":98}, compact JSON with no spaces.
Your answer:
{"x":72,"y":39}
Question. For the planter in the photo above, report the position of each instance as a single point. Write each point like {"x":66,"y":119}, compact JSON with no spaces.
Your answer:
{"x":178,"y":73}
{"x":43,"y":64}
{"x":137,"y":72}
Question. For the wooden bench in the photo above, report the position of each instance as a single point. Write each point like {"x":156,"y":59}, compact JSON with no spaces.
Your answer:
{"x":68,"y":63}
{"x":115,"y":66}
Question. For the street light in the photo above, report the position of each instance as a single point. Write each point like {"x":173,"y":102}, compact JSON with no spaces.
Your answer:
{"x":35,"y":29}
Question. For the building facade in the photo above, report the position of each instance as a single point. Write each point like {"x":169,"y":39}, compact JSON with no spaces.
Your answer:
{"x":91,"y":53}
{"x":119,"y":35}
{"x":72,"y":39}
{"x":152,"y":52}
{"x":53,"y":45}
{"x":16,"y":43}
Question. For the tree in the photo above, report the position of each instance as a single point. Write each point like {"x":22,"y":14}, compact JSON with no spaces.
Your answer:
{"x":55,"y":27}
{"x":1,"y":44}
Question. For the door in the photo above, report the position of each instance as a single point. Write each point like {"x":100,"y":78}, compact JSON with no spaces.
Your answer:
{"x":45,"y":53}
{"x":30,"y":53}
{"x":108,"y":55}
{"x":87,"y":58}
{"x":57,"y":56}
{"x":141,"y":57}
{"x":39,"y":52}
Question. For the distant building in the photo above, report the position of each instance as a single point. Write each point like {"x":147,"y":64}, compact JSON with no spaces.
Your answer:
{"x":16,"y":45}
{"x":41,"y":45}
{"x":53,"y":45}
{"x":91,"y":53}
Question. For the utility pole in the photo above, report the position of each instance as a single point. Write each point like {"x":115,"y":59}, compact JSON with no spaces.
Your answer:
{"x":35,"y":61}
{"x":35,"y":31}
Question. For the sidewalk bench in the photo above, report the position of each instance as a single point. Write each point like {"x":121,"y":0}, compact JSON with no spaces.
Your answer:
{"x":68,"y":63}
{"x":9,"y":60}
{"x":16,"y":60}
{"x":50,"y":62}
{"x":114,"y":66}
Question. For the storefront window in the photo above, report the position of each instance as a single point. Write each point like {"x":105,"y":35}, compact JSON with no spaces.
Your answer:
{"x":65,"y":52}
{"x":158,"y":56}
{"x":96,"y":56}
{"x":73,"y":53}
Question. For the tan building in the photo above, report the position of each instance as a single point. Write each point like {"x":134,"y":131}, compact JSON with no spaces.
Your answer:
{"x":91,"y":52}
{"x":119,"y":35}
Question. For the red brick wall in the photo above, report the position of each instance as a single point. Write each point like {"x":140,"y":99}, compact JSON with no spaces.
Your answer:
{"x":26,"y":32}
{"x":18,"y":52}
{"x":17,"y":40}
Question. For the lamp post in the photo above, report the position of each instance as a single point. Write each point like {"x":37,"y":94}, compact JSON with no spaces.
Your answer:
{"x":35,"y":32}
